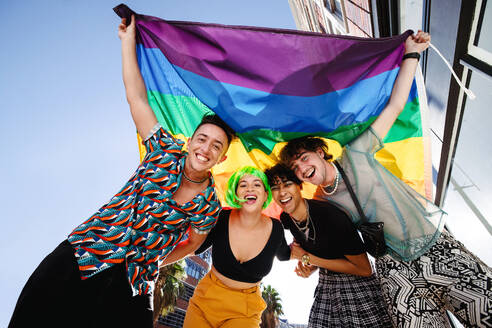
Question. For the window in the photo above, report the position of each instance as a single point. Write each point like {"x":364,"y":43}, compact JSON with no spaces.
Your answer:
{"x":468,"y":198}
{"x":188,"y":292}
{"x":174,"y":319}
{"x":335,"y":7}
{"x":480,"y":45}
{"x":207,"y":256}
{"x":194,"y":270}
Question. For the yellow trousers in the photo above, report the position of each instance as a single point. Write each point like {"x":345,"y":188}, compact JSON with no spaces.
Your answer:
{"x":215,"y":305}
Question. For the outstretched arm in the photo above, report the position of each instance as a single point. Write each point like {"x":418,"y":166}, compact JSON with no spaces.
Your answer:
{"x":403,"y":83}
{"x":136,"y":94}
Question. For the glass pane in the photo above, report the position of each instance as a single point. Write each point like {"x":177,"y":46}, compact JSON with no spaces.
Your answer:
{"x":484,"y":39}
{"x":338,"y":9}
{"x":470,"y":189}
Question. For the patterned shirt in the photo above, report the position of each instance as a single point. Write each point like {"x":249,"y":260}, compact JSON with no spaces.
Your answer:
{"x":142,"y":224}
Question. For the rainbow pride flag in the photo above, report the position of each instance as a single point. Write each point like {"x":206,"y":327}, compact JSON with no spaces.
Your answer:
{"x":273,"y":85}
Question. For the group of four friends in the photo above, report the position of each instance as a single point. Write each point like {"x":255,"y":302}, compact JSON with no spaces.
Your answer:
{"x":103,"y":274}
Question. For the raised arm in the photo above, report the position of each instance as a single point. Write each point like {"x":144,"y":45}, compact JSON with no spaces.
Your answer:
{"x":401,"y":88}
{"x":136,"y":94}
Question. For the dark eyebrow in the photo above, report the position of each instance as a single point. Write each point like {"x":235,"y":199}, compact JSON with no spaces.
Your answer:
{"x":254,"y":180}
{"x":214,"y":140}
{"x":299,"y":154}
{"x":220,"y":142}
{"x":279,"y":180}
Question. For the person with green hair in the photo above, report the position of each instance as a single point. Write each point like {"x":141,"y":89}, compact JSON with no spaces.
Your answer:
{"x":244,"y":243}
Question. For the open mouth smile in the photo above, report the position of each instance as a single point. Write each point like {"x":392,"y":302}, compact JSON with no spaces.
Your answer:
{"x":202,"y":158}
{"x":285,"y":200}
{"x":309,"y":173}
{"x":250,"y":199}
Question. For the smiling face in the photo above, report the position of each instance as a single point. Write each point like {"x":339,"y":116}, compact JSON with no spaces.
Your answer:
{"x":206,"y":147}
{"x":310,"y":166}
{"x":251,"y":189}
{"x":286,"y":194}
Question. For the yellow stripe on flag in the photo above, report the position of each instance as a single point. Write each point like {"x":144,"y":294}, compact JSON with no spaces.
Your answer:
{"x":402,"y":158}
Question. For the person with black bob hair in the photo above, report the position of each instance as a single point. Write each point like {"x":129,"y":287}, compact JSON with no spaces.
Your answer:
{"x":348,"y":293}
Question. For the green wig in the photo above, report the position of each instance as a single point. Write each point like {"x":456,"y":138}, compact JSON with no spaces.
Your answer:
{"x":231,"y":196}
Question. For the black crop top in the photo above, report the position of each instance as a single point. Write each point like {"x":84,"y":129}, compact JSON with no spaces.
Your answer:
{"x":331,"y":232}
{"x":253,"y":270}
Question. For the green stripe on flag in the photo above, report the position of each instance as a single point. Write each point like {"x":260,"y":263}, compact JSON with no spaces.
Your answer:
{"x":170,"y":111}
{"x":168,"y":107}
{"x":408,"y":124}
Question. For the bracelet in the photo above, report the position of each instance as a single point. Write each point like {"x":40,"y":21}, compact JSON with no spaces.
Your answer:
{"x":411,"y":55}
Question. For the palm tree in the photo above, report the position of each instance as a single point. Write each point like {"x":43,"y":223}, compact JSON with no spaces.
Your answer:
{"x":168,"y":287}
{"x":269,"y":317}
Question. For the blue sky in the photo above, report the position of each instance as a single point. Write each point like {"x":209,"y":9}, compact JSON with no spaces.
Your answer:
{"x":68,"y":142}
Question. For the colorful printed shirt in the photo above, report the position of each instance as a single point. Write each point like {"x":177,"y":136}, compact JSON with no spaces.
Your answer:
{"x":142,"y":224}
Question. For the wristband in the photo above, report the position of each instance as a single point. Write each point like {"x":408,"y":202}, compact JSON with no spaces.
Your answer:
{"x":411,"y":55}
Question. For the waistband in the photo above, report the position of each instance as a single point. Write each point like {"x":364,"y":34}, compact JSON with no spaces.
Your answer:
{"x":326,"y":276}
{"x":217,"y":281}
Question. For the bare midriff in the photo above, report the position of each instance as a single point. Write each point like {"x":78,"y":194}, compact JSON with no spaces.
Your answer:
{"x":234,"y":284}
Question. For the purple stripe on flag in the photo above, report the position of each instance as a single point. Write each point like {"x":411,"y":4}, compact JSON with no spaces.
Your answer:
{"x":275,"y":61}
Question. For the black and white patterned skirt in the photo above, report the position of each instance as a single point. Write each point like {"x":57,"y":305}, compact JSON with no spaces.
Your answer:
{"x":447,"y":277}
{"x":344,"y":300}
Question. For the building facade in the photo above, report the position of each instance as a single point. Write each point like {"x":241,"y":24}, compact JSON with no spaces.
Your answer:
{"x":196,"y":268}
{"x":354,"y":17}
{"x":458,"y":124}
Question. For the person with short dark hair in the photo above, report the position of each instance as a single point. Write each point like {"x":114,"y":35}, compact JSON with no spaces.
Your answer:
{"x":214,"y":119}
{"x":244,"y":243}
{"x":348,"y":293}
{"x":103,"y":275}
{"x":426,"y":271}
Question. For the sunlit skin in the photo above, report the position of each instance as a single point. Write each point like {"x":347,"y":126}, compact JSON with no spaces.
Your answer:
{"x":251,"y":189}
{"x":288,"y":196}
{"x":311,"y":167}
{"x":206,"y":148}
{"x":303,"y":270}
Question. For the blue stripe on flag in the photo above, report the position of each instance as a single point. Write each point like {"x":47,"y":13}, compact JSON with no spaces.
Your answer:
{"x":246,"y":109}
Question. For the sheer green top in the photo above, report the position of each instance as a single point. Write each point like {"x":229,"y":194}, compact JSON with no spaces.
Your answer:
{"x":412,"y":223}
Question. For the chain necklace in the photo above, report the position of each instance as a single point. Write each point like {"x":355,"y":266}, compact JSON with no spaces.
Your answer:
{"x":330,"y":190}
{"x":194,"y":181}
{"x":304,"y":228}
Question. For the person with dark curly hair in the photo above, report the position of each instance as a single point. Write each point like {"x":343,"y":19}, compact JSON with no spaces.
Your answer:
{"x":426,"y":271}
